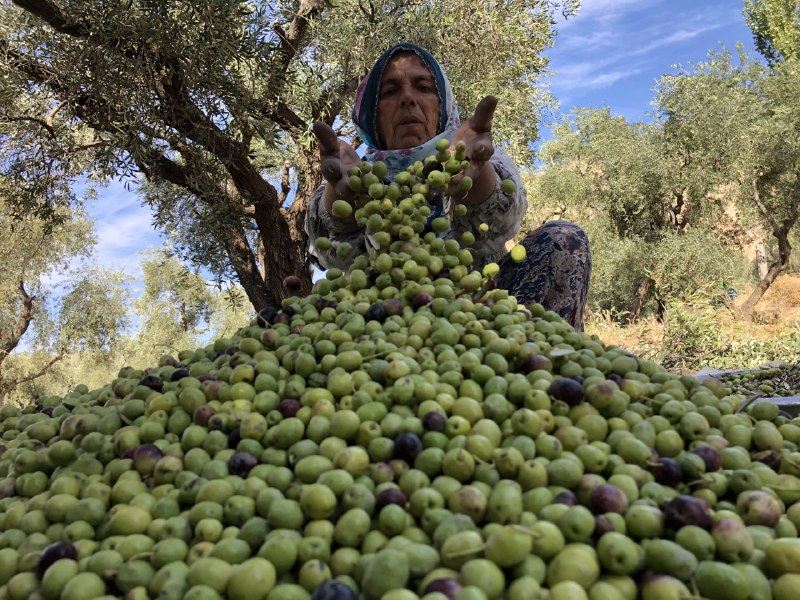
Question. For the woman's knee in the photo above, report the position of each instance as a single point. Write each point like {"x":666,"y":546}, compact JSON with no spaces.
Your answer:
{"x":564,"y":234}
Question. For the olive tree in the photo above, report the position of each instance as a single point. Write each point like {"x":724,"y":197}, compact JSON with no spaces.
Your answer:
{"x":776,"y":28}
{"x":743,"y":122}
{"x":207,"y":105}
{"x":44,"y":303}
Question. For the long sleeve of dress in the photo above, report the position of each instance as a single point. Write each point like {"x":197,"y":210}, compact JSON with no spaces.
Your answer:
{"x":319,"y":223}
{"x":501,"y":211}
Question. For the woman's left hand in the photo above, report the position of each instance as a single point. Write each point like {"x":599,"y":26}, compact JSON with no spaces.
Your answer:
{"x":476,"y":134}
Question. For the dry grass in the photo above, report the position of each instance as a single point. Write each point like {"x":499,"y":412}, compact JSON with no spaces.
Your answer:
{"x":776,"y":315}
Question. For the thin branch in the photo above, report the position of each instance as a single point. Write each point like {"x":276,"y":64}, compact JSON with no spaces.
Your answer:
{"x":15,"y":383}
{"x":41,"y":122}
{"x":762,"y":208}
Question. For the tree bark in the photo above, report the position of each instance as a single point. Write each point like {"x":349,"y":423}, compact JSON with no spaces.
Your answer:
{"x":22,"y":324}
{"x":775,"y":269}
{"x":780,"y":232}
{"x":762,"y":265}
{"x":643,"y":293}
{"x":8,"y":386}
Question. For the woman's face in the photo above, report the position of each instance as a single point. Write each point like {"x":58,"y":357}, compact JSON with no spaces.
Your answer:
{"x":408,"y":104}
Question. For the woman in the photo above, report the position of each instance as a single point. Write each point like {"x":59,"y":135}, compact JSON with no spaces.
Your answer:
{"x":402,"y":108}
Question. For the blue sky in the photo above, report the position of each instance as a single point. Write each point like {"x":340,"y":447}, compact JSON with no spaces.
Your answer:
{"x":609,"y":55}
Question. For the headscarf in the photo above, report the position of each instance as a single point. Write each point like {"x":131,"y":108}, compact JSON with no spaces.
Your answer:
{"x":365,"y":112}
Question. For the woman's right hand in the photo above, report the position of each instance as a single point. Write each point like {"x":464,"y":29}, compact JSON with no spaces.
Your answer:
{"x":337,"y":158}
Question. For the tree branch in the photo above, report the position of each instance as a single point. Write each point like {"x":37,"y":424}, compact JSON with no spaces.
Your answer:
{"x":41,"y":122}
{"x":291,"y":39}
{"x":763,"y":209}
{"x":22,"y":324}
{"x":15,"y":383}
{"x":52,"y":14}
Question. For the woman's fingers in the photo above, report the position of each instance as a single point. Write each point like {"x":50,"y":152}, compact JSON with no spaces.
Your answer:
{"x":481,"y":121}
{"x":482,"y":150}
{"x":331,"y":169}
{"x":328,"y":142}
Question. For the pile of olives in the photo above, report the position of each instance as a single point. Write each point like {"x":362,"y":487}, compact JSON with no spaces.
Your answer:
{"x":406,"y":431}
{"x":776,"y":381}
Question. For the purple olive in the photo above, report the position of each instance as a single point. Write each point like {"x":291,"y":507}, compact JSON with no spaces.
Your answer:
{"x":687,"y":510}
{"x":179,"y":374}
{"x":128,"y":453}
{"x":376,"y":312}
{"x":270,"y":338}
{"x":602,"y":524}
{"x":447,"y":586}
{"x":289,"y":407}
{"x":667,"y":471}
{"x":153,"y":382}
{"x":710,"y":456}
{"x":292,"y":283}
{"x":55,"y":552}
{"x":434,"y":421}
{"x":567,"y":390}
{"x":241,"y":463}
{"x":608,"y":499}
{"x":8,"y":487}
{"x":145,"y":458}
{"x":407,"y":446}
{"x":768,"y":457}
{"x":614,"y":377}
{"x":207,"y":377}
{"x":420,"y":300}
{"x":48,"y":410}
{"x":265,"y":316}
{"x":390,"y":496}
{"x":281,"y":317}
{"x":203,"y":413}
{"x":393,"y":306}
{"x":534,"y":362}
{"x":333,"y":590}
{"x":566,"y":497}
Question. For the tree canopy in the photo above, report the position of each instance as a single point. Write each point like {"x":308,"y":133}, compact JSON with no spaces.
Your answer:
{"x":776,"y":28}
{"x":58,"y":306}
{"x":208,"y":105}
{"x":720,"y":160}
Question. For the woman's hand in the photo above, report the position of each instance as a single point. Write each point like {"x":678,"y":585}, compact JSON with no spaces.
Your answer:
{"x":337,"y":158}
{"x":476,"y":134}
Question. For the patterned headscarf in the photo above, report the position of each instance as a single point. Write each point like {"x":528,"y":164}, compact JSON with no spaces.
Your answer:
{"x":365,"y":111}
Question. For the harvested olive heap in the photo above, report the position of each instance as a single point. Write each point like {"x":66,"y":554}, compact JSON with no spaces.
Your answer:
{"x":771,"y":382}
{"x":406,"y":431}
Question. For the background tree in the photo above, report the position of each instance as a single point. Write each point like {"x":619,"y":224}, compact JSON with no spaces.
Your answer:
{"x":86,"y":311}
{"x":776,"y":28}
{"x":743,"y":121}
{"x":175,"y":305}
{"x":635,"y":192}
{"x":212,"y":101}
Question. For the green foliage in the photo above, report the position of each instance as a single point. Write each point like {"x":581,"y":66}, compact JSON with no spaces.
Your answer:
{"x":644,"y":209}
{"x":776,"y":28}
{"x":174,"y":298}
{"x":94,"y":312}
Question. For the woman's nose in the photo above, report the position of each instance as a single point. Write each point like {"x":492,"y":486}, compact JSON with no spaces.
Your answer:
{"x":408,"y":95}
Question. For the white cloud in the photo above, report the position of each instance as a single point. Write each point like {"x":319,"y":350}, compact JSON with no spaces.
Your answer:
{"x":614,"y":39}
{"x":123,"y":229}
